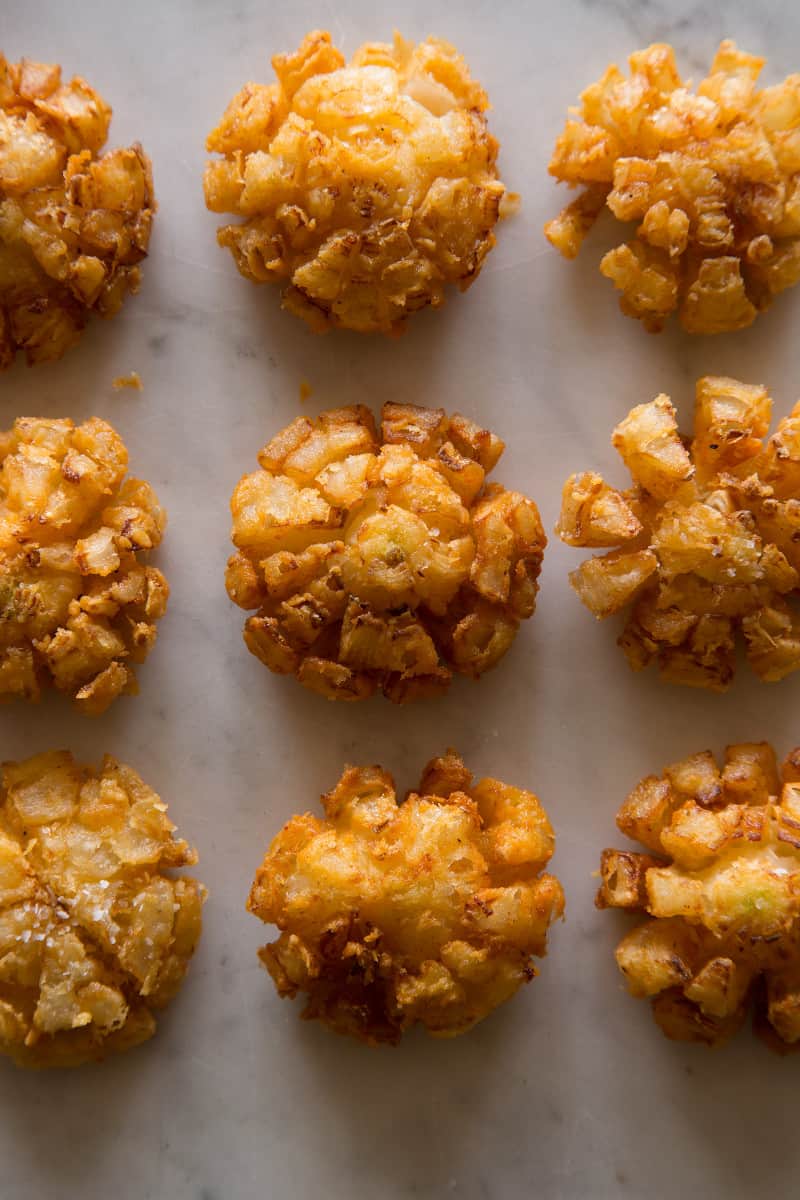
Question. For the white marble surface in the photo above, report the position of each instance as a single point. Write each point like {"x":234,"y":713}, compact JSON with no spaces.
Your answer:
{"x":570,"y":1091}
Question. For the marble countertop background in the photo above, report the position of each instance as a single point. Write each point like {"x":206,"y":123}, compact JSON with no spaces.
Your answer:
{"x":569,"y":1091}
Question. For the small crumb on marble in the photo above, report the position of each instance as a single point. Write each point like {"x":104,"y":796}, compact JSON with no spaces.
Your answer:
{"x":128,"y":381}
{"x":305,"y":390}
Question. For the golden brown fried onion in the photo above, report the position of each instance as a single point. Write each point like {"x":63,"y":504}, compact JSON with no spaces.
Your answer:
{"x":705,"y":545}
{"x":428,"y":911}
{"x":364,"y":189}
{"x":78,"y":605}
{"x":712,"y":179}
{"x":382,"y":562}
{"x":95,"y":936}
{"x":74,"y":223}
{"x":721,"y":885}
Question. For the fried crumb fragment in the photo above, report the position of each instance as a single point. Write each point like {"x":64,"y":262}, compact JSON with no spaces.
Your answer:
{"x":74,"y":223}
{"x":510,"y":205}
{"x":131,"y":380}
{"x":364,"y":189}
{"x":721,"y":887}
{"x":382,"y":562}
{"x":95,"y":936}
{"x":429,"y":911}
{"x":705,"y":546}
{"x":78,"y":604}
{"x":711,"y":177}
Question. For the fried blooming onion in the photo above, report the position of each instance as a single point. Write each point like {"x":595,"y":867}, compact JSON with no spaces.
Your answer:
{"x":94,"y":936}
{"x":712,"y":178}
{"x":426,"y":911}
{"x":74,"y":224}
{"x":384,"y":564}
{"x":708,"y":537}
{"x":722,"y":886}
{"x":77,"y":604}
{"x":364,"y":189}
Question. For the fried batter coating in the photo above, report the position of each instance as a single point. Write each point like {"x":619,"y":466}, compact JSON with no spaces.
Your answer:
{"x":712,"y":178}
{"x":95,"y":937}
{"x":74,"y":223}
{"x":382,"y":564}
{"x":706,"y":542}
{"x":722,"y":886}
{"x":428,"y":911}
{"x":78,"y":605}
{"x":364,"y":189}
